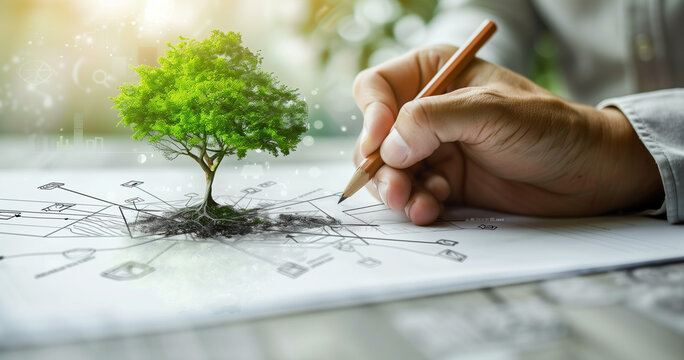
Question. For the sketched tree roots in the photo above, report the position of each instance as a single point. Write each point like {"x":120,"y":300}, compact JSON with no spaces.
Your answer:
{"x":226,"y":221}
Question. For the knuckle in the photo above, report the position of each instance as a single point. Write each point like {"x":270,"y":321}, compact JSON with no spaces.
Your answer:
{"x":487,"y":95}
{"x":482,"y":96}
{"x":418,"y":115}
{"x":416,"y":112}
{"x":481,"y":108}
{"x":361,"y":78}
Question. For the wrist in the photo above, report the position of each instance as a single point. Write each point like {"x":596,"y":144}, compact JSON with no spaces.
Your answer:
{"x":632,"y":176}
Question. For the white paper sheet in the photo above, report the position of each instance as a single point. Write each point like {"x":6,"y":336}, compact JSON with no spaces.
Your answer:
{"x":72,"y":267}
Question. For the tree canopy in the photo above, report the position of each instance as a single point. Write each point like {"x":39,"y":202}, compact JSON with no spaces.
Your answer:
{"x":210,"y":99}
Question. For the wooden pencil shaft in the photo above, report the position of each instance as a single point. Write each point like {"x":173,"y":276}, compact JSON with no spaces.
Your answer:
{"x":437,"y":85}
{"x":458,"y":61}
{"x":362,"y":175}
{"x":372,"y":163}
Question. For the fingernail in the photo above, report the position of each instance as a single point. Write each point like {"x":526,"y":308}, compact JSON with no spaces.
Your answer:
{"x":364,"y":137}
{"x":382,"y":191}
{"x":394,"y":149}
{"x":407,"y":209}
{"x":371,"y":114}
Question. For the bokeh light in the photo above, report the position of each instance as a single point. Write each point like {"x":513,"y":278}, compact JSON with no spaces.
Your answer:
{"x":63,"y":59}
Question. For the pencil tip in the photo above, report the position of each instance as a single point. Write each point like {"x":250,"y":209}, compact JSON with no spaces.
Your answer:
{"x":342,"y":198}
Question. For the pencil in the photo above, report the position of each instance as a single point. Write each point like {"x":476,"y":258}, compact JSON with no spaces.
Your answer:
{"x":437,"y":85}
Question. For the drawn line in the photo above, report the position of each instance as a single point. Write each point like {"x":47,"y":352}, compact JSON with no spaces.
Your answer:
{"x":64,"y":227}
{"x":162,"y":252}
{"x":300,"y":202}
{"x":240,"y":199}
{"x":96,"y":250}
{"x":154,"y":196}
{"x":108,"y":202}
{"x":43,"y":202}
{"x":353,"y":237}
{"x":362,"y":207}
{"x":126,"y":222}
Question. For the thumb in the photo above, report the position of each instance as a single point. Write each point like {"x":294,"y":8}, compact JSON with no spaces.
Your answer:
{"x":423,"y":124}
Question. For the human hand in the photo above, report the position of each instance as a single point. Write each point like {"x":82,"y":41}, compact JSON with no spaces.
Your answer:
{"x":495,"y":140}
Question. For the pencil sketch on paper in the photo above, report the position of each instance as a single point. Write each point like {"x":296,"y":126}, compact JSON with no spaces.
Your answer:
{"x":302,"y":221}
{"x":72,"y":252}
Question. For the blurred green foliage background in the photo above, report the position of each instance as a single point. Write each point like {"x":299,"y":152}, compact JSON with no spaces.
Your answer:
{"x":63,"y":59}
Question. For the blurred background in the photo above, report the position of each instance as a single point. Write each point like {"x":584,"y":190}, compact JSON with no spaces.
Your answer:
{"x":61,"y":60}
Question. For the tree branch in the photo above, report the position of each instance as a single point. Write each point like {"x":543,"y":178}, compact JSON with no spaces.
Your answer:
{"x":209,"y":160}
{"x":201,"y":163}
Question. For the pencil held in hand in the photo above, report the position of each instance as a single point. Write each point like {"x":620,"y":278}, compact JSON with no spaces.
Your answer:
{"x":437,"y":85}
{"x":363,"y":174}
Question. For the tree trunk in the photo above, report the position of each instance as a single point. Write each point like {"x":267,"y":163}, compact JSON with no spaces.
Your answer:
{"x":208,"y":199}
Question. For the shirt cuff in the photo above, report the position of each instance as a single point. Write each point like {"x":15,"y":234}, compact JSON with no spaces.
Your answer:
{"x":658,"y":119}
{"x":654,"y":212}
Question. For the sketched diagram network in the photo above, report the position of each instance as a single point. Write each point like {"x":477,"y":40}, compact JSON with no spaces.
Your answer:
{"x":359,"y":231}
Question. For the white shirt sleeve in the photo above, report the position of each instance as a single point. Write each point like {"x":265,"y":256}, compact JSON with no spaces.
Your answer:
{"x":511,"y":46}
{"x":658,"y":119}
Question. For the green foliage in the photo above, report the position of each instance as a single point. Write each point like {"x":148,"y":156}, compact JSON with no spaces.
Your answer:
{"x":212,"y":97}
{"x":323,"y":17}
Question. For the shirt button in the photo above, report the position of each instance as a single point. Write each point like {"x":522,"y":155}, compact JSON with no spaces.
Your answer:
{"x":644,"y":47}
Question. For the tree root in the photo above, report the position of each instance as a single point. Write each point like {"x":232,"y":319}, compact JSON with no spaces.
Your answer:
{"x":226,"y":221}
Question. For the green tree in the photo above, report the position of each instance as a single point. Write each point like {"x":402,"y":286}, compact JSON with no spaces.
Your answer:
{"x":210,"y":99}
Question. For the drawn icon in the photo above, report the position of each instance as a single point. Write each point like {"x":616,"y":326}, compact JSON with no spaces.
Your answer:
{"x":250,"y":190}
{"x":292,"y":270}
{"x":369,"y":262}
{"x":447,"y":242}
{"x":101,"y":77}
{"x":51,"y":186}
{"x":75,"y":72}
{"x":453,"y":255}
{"x":6,"y":215}
{"x":130,"y":270}
{"x":487,"y":227}
{"x":291,"y":237}
{"x":79,"y":253}
{"x":320,"y":260}
{"x":267,"y":184}
{"x":132,"y":183}
{"x":133,"y":200}
{"x":35,"y":72}
{"x":344,"y":247}
{"x":190,"y":196}
{"x":58,"y":207}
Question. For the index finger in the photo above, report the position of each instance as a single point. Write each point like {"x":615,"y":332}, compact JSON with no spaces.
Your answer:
{"x":382,"y":90}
